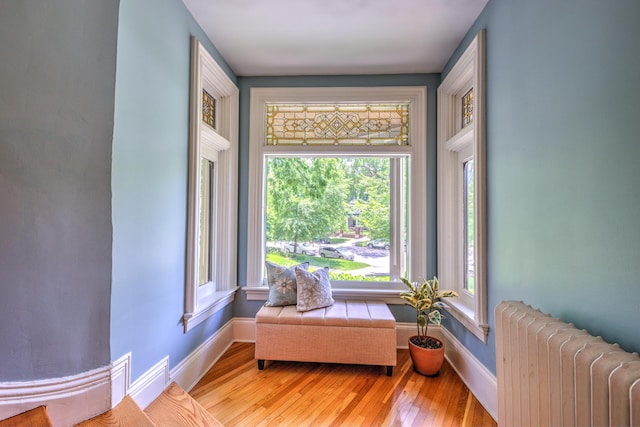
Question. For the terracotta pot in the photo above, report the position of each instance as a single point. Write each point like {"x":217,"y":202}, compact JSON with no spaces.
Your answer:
{"x":427,"y":361}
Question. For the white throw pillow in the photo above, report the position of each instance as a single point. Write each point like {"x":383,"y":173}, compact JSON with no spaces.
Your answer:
{"x":314,"y":289}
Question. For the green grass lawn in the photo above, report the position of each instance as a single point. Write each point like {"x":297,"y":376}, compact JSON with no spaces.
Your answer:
{"x":315,"y":261}
{"x":337,"y":240}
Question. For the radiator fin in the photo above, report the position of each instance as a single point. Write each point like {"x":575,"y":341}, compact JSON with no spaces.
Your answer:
{"x":552,"y":374}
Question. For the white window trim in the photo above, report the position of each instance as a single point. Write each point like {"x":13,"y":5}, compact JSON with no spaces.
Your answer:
{"x":221,"y":146}
{"x":256,"y":288}
{"x":469,"y":71}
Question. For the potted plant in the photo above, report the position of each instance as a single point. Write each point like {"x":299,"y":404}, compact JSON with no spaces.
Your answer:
{"x":427,"y":353}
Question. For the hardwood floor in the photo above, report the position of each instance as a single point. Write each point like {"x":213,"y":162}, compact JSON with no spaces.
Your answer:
{"x":127,"y":413}
{"x":35,"y":417}
{"x":301,"y":394}
{"x":174,"y":407}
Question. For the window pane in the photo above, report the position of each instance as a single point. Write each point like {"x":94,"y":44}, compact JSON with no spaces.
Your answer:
{"x":337,"y":124}
{"x":205,"y":222}
{"x":317,"y":205}
{"x":467,"y":108}
{"x":208,"y":109}
{"x":469,"y":243}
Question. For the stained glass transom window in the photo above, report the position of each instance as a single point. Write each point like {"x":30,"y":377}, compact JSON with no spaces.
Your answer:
{"x":467,"y":108}
{"x":337,"y":124}
{"x":208,"y":109}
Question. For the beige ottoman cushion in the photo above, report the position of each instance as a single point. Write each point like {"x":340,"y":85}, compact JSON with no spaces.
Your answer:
{"x":358,"y":332}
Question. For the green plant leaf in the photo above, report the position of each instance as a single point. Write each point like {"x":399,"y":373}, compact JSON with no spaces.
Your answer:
{"x":424,"y":297}
{"x":435,"y":317}
{"x":447,"y":294}
{"x":407,"y":283}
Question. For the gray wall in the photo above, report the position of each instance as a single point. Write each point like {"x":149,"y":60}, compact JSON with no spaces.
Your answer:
{"x":56,"y":120}
{"x":149,"y":184}
{"x":244,"y":308}
{"x":563,"y":183}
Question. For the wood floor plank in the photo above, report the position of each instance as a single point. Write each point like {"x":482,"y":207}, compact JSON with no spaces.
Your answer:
{"x":404,"y":394}
{"x":175,"y":407}
{"x":34,"y":417}
{"x":315,"y":394}
{"x":126,"y":413}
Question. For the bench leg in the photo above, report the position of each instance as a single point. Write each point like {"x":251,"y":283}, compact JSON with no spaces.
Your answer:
{"x":389,"y":371}
{"x":260,"y":364}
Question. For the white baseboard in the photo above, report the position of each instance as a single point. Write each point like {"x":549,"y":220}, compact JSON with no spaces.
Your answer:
{"x":73,"y":399}
{"x":406,"y":330}
{"x":149,"y":385}
{"x":189,"y":371}
{"x":244,"y":329}
{"x":120,"y":378}
{"x":69,"y":400}
{"x":144,"y":389}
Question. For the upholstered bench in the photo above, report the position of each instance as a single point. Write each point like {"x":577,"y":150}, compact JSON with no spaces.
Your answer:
{"x":352,"y":332}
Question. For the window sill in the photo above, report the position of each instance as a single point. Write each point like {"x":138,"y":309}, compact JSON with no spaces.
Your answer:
{"x":260,"y":293}
{"x":220,"y":300}
{"x":465,"y":315}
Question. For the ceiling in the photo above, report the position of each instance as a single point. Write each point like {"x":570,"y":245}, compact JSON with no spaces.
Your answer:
{"x":322,"y":37}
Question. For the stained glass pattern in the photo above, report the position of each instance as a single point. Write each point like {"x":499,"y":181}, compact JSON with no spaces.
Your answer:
{"x":208,"y":109}
{"x":337,"y":124}
{"x":467,"y":108}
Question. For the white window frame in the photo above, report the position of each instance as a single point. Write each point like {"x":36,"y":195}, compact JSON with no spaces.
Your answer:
{"x":220,"y":146}
{"x":456,"y":145}
{"x":256,"y":288}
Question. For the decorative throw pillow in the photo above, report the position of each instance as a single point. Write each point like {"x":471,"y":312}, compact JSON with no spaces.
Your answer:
{"x":314,"y":289}
{"x":282,"y":284}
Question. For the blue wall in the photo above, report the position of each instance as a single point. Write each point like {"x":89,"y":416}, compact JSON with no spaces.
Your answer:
{"x":57,"y":78}
{"x":244,"y":308}
{"x":149,"y":184}
{"x":563,"y":182}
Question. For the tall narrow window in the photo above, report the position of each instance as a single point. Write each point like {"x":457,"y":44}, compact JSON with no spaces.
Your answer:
{"x":461,"y":189}
{"x":210,"y":281}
